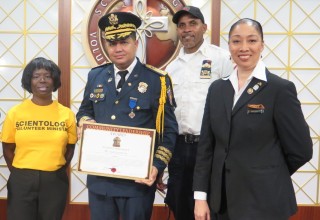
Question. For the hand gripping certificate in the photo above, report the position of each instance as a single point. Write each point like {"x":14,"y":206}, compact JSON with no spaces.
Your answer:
{"x":116,"y":151}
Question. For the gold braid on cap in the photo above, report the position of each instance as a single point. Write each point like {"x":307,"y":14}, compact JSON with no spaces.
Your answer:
{"x":122,"y":30}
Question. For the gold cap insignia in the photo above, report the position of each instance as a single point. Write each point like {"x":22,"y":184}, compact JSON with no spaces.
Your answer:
{"x":113,"y":19}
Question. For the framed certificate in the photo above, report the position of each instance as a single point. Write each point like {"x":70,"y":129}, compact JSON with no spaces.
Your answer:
{"x":116,"y":151}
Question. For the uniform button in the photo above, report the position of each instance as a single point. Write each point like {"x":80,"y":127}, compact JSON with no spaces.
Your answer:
{"x":113,"y":117}
{"x":138,"y":107}
{"x":116,"y":102}
{"x":129,"y":84}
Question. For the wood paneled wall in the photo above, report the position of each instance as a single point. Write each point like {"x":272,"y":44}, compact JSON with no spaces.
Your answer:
{"x":64,"y":51}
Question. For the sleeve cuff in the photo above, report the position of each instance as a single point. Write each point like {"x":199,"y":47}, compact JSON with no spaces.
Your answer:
{"x":163,"y":154}
{"x":85,"y":118}
{"x":200,"y":195}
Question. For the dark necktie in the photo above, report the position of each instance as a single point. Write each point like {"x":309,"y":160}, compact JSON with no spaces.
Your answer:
{"x":123,"y":78}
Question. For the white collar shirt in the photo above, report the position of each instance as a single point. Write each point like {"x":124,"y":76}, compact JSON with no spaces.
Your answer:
{"x":258,"y":72}
{"x":129,"y":69}
{"x":190,"y":89}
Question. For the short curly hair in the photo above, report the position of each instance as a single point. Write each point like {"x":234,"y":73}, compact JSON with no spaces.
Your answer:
{"x":41,"y":63}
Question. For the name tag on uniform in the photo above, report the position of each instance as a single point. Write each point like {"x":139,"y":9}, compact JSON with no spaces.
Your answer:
{"x":255,"y":109}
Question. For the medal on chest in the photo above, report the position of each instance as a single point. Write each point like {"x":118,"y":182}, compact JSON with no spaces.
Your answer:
{"x":132,"y":105}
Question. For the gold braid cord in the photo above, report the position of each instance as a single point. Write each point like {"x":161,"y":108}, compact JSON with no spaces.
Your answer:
{"x":162,"y":102}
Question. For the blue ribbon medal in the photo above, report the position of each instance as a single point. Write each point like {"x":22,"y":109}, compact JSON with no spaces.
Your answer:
{"x":132,"y":105}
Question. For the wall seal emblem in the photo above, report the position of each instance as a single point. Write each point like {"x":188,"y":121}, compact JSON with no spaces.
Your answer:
{"x":158,"y":41}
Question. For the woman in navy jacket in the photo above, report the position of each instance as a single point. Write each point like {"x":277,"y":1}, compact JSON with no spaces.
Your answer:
{"x":253,"y":138}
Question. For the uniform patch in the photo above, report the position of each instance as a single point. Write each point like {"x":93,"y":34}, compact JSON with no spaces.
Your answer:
{"x":205,"y":72}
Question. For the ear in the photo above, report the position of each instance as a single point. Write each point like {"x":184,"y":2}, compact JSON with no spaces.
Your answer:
{"x":204,"y":28}
{"x":262,"y":46}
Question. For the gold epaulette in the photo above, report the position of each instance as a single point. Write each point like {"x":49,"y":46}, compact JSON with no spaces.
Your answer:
{"x":159,"y":71}
{"x":106,"y":64}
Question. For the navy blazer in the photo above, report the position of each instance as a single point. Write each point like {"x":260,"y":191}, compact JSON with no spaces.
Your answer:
{"x":102,"y":103}
{"x":257,"y":145}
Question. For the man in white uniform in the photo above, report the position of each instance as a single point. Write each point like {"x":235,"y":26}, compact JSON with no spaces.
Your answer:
{"x":195,"y":68}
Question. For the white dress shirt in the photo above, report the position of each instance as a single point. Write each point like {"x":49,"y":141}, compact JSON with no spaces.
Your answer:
{"x":129,"y":69}
{"x":259,"y":72}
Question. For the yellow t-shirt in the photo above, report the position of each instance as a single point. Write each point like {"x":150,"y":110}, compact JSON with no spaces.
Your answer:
{"x":41,"y":134}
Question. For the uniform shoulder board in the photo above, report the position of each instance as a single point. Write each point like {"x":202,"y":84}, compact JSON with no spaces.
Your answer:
{"x":154,"y":69}
{"x":106,"y":64}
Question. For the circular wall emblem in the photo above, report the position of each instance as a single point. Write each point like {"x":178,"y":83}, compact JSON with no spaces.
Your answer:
{"x":158,"y":41}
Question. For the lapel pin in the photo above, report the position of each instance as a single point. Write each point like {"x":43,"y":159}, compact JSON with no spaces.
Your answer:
{"x":256,"y":87}
{"x":250,"y":91}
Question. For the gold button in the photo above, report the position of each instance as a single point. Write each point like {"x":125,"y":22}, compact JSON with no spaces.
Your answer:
{"x":113,"y":117}
{"x":138,"y":107}
{"x":116,"y":102}
{"x":129,"y":84}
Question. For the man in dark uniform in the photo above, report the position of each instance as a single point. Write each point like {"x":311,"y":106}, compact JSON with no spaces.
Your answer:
{"x":128,"y":93}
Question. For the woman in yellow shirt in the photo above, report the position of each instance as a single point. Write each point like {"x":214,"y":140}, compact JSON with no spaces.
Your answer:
{"x":38,"y":138}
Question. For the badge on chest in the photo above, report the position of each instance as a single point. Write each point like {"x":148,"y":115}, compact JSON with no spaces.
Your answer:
{"x":205,"y":69}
